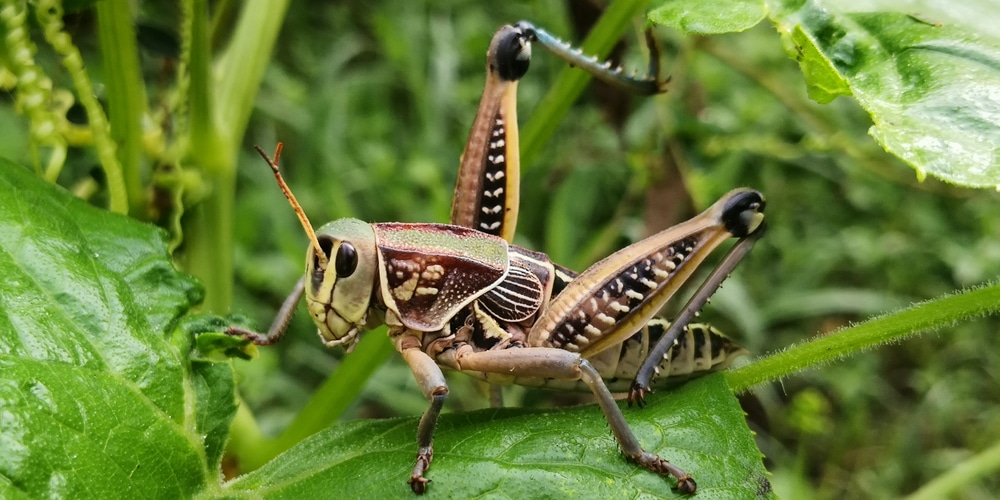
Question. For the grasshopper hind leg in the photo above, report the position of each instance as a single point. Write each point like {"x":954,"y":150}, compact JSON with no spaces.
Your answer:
{"x":641,"y":386}
{"x":554,"y":363}
{"x":626,"y":439}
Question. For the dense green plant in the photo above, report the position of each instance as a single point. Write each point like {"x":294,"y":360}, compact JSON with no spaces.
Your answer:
{"x":106,"y":369}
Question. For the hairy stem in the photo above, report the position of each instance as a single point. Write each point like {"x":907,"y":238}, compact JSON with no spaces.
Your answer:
{"x":931,"y":315}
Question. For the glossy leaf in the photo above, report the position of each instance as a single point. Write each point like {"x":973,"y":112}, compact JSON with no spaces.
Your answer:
{"x":928,"y":72}
{"x":516,"y":453}
{"x":97,"y":398}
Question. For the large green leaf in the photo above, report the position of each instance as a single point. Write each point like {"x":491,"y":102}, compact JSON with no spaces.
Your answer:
{"x":97,"y":396}
{"x":927,"y":71}
{"x":516,"y":453}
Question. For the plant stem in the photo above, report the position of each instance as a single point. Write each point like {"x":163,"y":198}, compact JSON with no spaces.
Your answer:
{"x":327,"y":404}
{"x":125,"y":94}
{"x":957,"y":478}
{"x":246,"y":442}
{"x":208,"y":226}
{"x":241,"y":67}
{"x":220,"y":111}
{"x":203,"y":133}
{"x":208,"y":237}
{"x":922,"y":317}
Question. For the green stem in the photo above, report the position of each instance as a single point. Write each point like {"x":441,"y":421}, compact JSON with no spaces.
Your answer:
{"x":208,"y":225}
{"x":245,"y":439}
{"x":571,"y":81}
{"x":204,"y":135}
{"x":224,"y":11}
{"x":241,"y":67}
{"x":208,"y":236}
{"x":325,"y":407}
{"x":125,"y":94}
{"x":930,"y":315}
{"x":957,"y":479}
{"x":220,"y":110}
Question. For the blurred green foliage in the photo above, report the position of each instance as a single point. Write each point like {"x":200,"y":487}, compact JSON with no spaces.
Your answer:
{"x":373,"y":101}
{"x":374,"y":105}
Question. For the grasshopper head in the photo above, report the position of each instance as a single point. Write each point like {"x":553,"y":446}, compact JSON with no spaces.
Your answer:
{"x":339,"y":291}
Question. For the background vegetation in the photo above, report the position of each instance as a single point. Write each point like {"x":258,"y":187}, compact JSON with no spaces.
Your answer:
{"x":373,"y":101}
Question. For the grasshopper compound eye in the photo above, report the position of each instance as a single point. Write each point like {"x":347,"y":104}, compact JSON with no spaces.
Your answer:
{"x":347,"y":260}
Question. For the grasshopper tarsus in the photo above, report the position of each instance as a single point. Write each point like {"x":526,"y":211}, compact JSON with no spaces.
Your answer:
{"x":252,"y":336}
{"x":281,"y":320}
{"x":687,"y":485}
{"x":418,"y":483}
{"x":637,"y":395}
{"x":651,"y":461}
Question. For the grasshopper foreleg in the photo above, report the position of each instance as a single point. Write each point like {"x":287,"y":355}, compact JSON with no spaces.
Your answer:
{"x":280,"y":323}
{"x":643,"y":378}
{"x":547,"y":362}
{"x":432,"y":384}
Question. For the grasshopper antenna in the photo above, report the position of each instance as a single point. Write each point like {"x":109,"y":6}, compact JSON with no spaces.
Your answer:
{"x":295,"y":204}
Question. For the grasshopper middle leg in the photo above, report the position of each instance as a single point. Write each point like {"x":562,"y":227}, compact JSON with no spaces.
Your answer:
{"x":432,"y":384}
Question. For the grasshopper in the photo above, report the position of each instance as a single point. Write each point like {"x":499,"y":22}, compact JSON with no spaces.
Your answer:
{"x":462,"y":297}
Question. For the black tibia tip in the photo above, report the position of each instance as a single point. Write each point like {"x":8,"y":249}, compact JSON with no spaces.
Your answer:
{"x":510,"y":52}
{"x":744,"y":213}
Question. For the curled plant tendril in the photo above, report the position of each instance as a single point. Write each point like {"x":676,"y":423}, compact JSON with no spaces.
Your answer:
{"x":49,"y":14}
{"x":47,"y":119}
